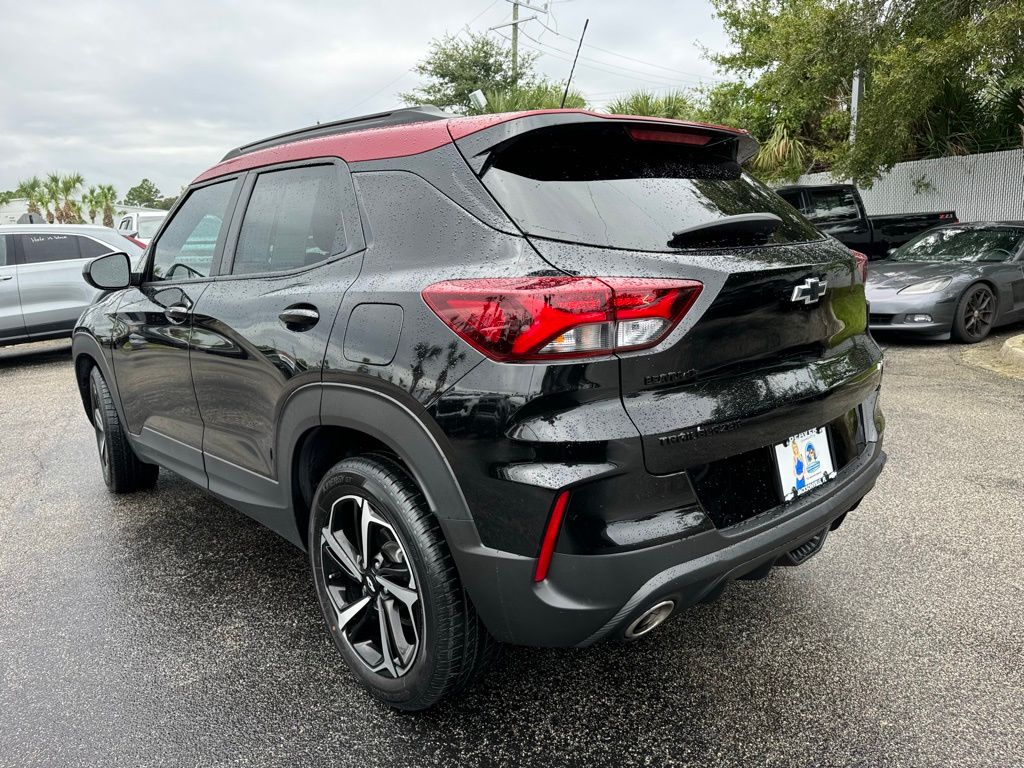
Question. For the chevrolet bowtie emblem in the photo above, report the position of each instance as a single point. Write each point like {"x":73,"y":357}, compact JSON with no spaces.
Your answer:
{"x":809,"y":291}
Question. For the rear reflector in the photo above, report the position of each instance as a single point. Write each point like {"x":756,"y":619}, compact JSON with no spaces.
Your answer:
{"x":668,"y":136}
{"x":547,"y":547}
{"x":551,"y":318}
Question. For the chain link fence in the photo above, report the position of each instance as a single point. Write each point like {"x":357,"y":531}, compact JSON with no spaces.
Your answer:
{"x":987,"y":186}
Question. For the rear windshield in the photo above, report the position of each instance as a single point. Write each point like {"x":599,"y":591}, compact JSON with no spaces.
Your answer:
{"x":597,"y":185}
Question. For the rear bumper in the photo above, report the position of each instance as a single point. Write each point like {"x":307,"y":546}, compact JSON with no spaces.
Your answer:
{"x":590,"y":597}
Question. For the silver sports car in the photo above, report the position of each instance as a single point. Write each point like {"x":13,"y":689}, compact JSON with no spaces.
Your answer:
{"x":960,"y":279}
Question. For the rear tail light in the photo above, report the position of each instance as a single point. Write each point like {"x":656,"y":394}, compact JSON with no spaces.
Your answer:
{"x":135,"y":241}
{"x":862,"y":264}
{"x":550,"y":318}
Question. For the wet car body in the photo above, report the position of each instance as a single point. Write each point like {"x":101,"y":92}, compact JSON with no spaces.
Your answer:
{"x":661,"y":456}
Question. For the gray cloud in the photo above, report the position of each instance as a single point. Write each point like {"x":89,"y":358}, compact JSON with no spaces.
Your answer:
{"x":119,"y":91}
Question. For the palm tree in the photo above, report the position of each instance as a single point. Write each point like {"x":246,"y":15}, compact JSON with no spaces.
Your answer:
{"x":544,"y":95}
{"x":51,"y":196}
{"x":33,"y":191}
{"x":70,"y":210}
{"x":92,"y":203}
{"x":106,"y":197}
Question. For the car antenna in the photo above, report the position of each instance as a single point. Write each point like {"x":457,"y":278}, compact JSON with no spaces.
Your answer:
{"x":569,"y":80}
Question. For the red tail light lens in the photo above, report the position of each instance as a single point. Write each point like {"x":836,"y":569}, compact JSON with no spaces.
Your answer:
{"x":862,"y":264}
{"x":669,"y":136}
{"x":547,"y":546}
{"x":546,"y":318}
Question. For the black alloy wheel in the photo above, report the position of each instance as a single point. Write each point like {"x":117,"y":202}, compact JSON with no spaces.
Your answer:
{"x":975,"y":314}
{"x":372,"y":587}
{"x":388,"y":587}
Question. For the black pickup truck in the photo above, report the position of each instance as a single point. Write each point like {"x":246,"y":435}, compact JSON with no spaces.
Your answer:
{"x":837,"y":210}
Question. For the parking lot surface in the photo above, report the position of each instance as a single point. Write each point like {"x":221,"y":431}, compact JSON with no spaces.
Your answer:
{"x":165,"y":629}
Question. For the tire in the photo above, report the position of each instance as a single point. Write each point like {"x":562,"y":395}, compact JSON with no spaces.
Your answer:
{"x":123,"y":471}
{"x":975,"y":314}
{"x":399,"y":617}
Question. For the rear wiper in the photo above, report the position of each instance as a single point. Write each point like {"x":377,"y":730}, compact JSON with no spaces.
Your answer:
{"x":742,"y":226}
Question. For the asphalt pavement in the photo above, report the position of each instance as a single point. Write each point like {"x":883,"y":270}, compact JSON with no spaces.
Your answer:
{"x":165,"y":629}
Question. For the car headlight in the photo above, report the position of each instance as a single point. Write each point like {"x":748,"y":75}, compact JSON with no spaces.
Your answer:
{"x":928,"y":286}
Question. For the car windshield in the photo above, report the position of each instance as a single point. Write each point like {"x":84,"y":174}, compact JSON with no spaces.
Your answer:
{"x":149,"y":225}
{"x":961,"y":244}
{"x":634,"y":188}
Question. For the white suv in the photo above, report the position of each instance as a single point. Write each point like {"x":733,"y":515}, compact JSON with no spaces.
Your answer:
{"x":141,"y":225}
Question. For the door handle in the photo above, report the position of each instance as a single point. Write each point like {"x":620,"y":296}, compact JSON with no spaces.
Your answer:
{"x":177,"y":313}
{"x":299,"y":317}
{"x":6,"y":277}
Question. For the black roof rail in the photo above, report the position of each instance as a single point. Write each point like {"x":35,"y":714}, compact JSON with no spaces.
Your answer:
{"x":415,"y":114}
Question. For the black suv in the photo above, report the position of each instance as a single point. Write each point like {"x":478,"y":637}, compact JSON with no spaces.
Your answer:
{"x":536,"y":378}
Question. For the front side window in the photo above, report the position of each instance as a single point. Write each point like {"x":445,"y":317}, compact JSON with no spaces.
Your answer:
{"x":41,"y":248}
{"x":610,"y":186}
{"x":961,"y":244}
{"x":833,"y":205}
{"x":293,"y":220}
{"x":186,"y":248}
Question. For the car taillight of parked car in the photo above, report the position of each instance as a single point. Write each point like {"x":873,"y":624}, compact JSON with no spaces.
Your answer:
{"x":862,"y":264}
{"x":550,"y":318}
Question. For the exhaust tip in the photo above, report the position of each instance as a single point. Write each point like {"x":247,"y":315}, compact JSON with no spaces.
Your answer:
{"x":650,"y":619}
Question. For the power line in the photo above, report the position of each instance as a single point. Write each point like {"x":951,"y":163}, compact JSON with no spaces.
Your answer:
{"x":619,"y":71}
{"x":631,"y":58}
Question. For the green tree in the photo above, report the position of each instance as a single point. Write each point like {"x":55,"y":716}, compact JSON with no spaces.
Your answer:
{"x":69,"y":210}
{"x":940,"y":78}
{"x":51,"y":197}
{"x":676,"y":105}
{"x":106,"y":198}
{"x":34,"y":191}
{"x":91,"y":203}
{"x":143,"y":193}
{"x":542,"y":95}
{"x":455,"y":66}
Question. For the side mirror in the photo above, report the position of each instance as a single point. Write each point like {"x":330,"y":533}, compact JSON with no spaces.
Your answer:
{"x":890,"y":252}
{"x":132,"y":233}
{"x":109,"y":272}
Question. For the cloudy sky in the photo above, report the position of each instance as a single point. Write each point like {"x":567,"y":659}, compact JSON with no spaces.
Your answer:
{"x":121,"y":91}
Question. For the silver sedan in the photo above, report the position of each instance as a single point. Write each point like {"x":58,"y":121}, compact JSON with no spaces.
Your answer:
{"x":961,"y":280}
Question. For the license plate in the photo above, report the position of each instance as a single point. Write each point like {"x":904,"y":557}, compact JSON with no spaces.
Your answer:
{"x":804,"y":462}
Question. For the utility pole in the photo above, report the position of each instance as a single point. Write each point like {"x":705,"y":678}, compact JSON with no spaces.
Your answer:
{"x":516,"y":21}
{"x":515,"y":37}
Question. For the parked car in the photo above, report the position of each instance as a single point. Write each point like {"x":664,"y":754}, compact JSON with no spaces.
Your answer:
{"x":141,"y":225}
{"x":961,"y":280}
{"x":42,"y":291}
{"x":838,"y":210}
{"x":667,"y":371}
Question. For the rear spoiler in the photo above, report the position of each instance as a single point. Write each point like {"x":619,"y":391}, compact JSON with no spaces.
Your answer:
{"x":476,"y":136}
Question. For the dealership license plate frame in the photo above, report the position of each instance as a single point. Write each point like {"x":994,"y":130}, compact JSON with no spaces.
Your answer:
{"x":817,"y":471}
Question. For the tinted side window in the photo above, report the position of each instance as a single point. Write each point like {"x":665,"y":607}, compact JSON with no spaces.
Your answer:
{"x":293,"y":220}
{"x":41,"y":248}
{"x":186,"y":247}
{"x":833,"y":205}
{"x":91,"y":249}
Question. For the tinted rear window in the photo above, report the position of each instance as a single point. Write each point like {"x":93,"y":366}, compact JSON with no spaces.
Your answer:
{"x":599,"y":186}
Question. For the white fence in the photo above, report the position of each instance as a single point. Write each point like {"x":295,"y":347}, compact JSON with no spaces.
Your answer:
{"x":989,"y":186}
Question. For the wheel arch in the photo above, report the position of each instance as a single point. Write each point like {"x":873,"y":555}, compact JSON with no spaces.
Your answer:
{"x":87,"y":354}
{"x":322,"y":424}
